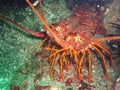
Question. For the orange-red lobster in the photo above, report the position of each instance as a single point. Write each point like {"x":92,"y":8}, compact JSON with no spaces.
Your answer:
{"x":71,"y":38}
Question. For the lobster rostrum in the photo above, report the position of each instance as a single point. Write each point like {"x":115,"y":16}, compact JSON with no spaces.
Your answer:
{"x":72,"y":37}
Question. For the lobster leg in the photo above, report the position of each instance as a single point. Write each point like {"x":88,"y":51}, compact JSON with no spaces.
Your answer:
{"x":103,"y":58}
{"x":52,"y":62}
{"x":90,"y":66}
{"x":77,"y":66}
{"x":101,"y":46}
{"x":61,"y":66}
{"x":57,"y":51}
{"x":81,"y":61}
{"x":65,"y":61}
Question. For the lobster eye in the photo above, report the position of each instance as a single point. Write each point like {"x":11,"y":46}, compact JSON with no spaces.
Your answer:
{"x":68,"y":38}
{"x":78,"y":39}
{"x":59,"y":29}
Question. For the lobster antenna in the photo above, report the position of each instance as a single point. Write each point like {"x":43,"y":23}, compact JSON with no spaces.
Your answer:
{"x":40,"y":17}
{"x":18,"y":25}
{"x":108,"y":38}
{"x":42,"y":11}
{"x":48,"y":29}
